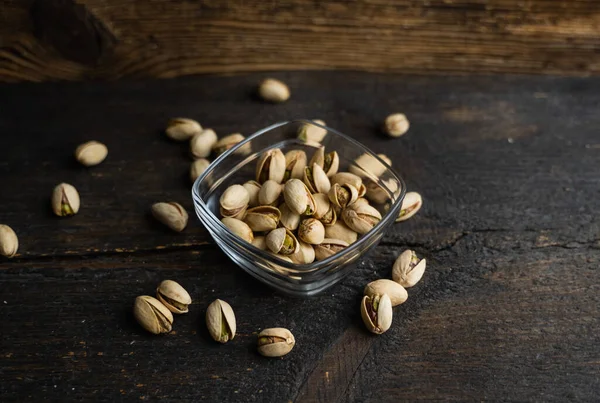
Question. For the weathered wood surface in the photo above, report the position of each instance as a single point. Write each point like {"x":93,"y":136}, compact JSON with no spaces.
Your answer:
{"x":507,"y":310}
{"x":44,"y":40}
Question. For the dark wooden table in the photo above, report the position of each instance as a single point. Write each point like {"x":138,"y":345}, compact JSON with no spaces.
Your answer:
{"x":508,"y":308}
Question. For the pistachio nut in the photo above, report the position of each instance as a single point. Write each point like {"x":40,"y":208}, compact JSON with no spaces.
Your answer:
{"x":269,"y":193}
{"x":171,"y":214}
{"x":289,"y":219}
{"x":229,"y":142}
{"x":330,"y":162}
{"x":239,"y":228}
{"x":152,"y":315}
{"x":9,"y":243}
{"x":410,"y":205}
{"x":396,"y":125}
{"x":173,"y":296}
{"x":273,"y":90}
{"x":304,"y":255}
{"x":65,"y":200}
{"x":361,"y":218}
{"x":275,"y":342}
{"x":298,"y":198}
{"x":377,"y":313}
{"x":181,"y":129}
{"x":324,"y":211}
{"x":340,"y":231}
{"x":311,"y":231}
{"x":202,"y":143}
{"x":234,"y":201}
{"x":378,"y":194}
{"x":329,"y":247}
{"x":220,"y":321}
{"x":408,"y":269}
{"x":295,"y":162}
{"x":342,"y":196}
{"x":316,"y":180}
{"x":369,"y":166}
{"x":198,"y":167}
{"x":270,"y":166}
{"x":91,"y":153}
{"x":260,"y":242}
{"x":311,"y":133}
{"x":252,"y":187}
{"x":360,"y":201}
{"x":262,"y":218}
{"x":282,"y":241}
{"x":392,"y":289}
{"x":348,"y":178}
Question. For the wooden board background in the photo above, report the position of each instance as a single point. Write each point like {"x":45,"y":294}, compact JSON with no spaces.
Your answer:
{"x":44,"y":40}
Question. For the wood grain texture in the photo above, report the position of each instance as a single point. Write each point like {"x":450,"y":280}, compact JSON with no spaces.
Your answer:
{"x":507,"y":310}
{"x":109,"y":39}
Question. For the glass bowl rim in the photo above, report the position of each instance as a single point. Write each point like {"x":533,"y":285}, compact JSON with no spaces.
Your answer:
{"x":391,"y":214}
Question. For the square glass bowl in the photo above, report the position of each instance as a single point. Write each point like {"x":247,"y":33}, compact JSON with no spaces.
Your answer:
{"x":238,"y":165}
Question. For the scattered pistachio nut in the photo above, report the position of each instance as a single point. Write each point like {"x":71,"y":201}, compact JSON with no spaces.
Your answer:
{"x":408,"y":269}
{"x":65,"y":200}
{"x":396,"y":125}
{"x":91,"y":153}
{"x":198,"y":167}
{"x":361,"y":218}
{"x":295,"y":162}
{"x":392,"y":289}
{"x":220,"y":321}
{"x":262,"y":218}
{"x":231,"y":141}
{"x":9,"y":243}
{"x":273,"y":90}
{"x":282,"y":241}
{"x":239,"y":228}
{"x":312,"y":134}
{"x":234,"y":201}
{"x":152,"y":315}
{"x":377,"y":313}
{"x":173,"y":296}
{"x":269,"y":193}
{"x":253,"y":188}
{"x":410,"y":205}
{"x":298,"y":198}
{"x":341,"y":231}
{"x":171,"y":214}
{"x":304,"y":255}
{"x":311,"y":231}
{"x":271,"y":166}
{"x":329,"y":247}
{"x":181,"y":129}
{"x":202,"y":143}
{"x":275,"y":342}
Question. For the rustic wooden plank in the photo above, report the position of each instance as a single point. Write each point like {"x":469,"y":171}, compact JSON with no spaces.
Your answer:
{"x":173,"y":38}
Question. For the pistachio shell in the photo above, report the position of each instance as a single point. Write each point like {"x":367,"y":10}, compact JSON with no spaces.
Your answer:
{"x":262,"y":218}
{"x":410,"y":205}
{"x":340,"y":230}
{"x":181,"y":129}
{"x":377,"y":194}
{"x":377,"y":313}
{"x":252,"y":187}
{"x":368,"y":165}
{"x":330,"y":162}
{"x":304,"y":255}
{"x":231,"y":141}
{"x":260,"y":242}
{"x":152,"y":315}
{"x":311,"y":231}
{"x":329,"y":247}
{"x":289,"y":219}
{"x":202,"y":143}
{"x":324,"y":211}
{"x":234,"y":201}
{"x":173,"y":296}
{"x":310,"y":133}
{"x":65,"y":200}
{"x":342,"y":195}
{"x":239,"y":228}
{"x":220,"y":321}
{"x":396,"y":125}
{"x":295,"y":162}
{"x":198,"y":167}
{"x":273,"y":90}
{"x":298,"y":198}
{"x":316,"y":180}
{"x":361,"y":218}
{"x":171,"y":214}
{"x":408,"y":269}
{"x":275,"y":342}
{"x":9,"y":243}
{"x":269,"y":193}
{"x":282,"y":241}
{"x":270,"y":166}
{"x":395,"y":291}
{"x":91,"y":153}
{"x":347,"y":178}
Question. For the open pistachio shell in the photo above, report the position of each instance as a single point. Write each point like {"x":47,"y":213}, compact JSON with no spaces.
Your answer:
{"x":316,"y":180}
{"x":410,"y":205}
{"x":252,"y":187}
{"x":329,"y":247}
{"x":262,"y":218}
{"x":377,"y":313}
{"x":152,"y":315}
{"x":342,"y":196}
{"x":269,"y":193}
{"x":173,"y":296}
{"x":324,"y":209}
{"x":298,"y":198}
{"x":229,"y":142}
{"x":395,"y":291}
{"x":234,"y":201}
{"x":289,"y":219}
{"x":408,"y":269}
{"x":347,"y":178}
{"x":340,"y":230}
{"x":304,"y":255}
{"x":282,"y":241}
{"x":361,"y":218}
{"x":275,"y":342}
{"x":311,"y":231}
{"x":295,"y":162}
{"x":270,"y":166}
{"x":239,"y":228}
{"x":220,"y":321}
{"x":330,"y":162}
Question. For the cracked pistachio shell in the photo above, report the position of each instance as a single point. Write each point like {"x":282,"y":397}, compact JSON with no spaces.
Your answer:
{"x":368,"y":166}
{"x":340,"y":230}
{"x":202,"y":143}
{"x":269,"y":193}
{"x":377,"y":194}
{"x":65,"y":200}
{"x":311,"y":231}
{"x":298,"y":198}
{"x":324,"y":211}
{"x":171,"y":214}
{"x":410,"y":205}
{"x":377,"y":313}
{"x":330,"y":162}
{"x":282,"y":241}
{"x":348,"y":178}
{"x":361,"y":218}
{"x":260,"y":242}
{"x":262,"y":218}
{"x":295,"y":162}
{"x":91,"y":153}
{"x":152,"y":315}
{"x":229,"y":142}
{"x":392,"y":289}
{"x":273,"y":90}
{"x":408,"y":269}
{"x":173,"y":296}
{"x":275,"y":342}
{"x":198,"y":167}
{"x":396,"y":125}
{"x":239,"y":228}
{"x":252,"y":187}
{"x":234,"y":201}
{"x":310,"y":133}
{"x":220,"y":321}
{"x":316,"y":180}
{"x":9,"y":243}
{"x":181,"y":129}
{"x":304,"y":255}
{"x":270,"y":166}
{"x":342,"y":196}
{"x":329,"y":247}
{"x":289,"y":219}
